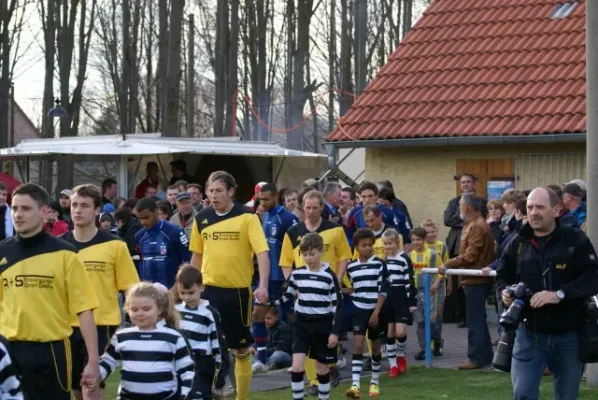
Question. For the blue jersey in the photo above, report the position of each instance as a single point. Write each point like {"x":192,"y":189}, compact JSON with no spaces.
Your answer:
{"x":276,"y":223}
{"x":391,"y":217}
{"x":163,"y":249}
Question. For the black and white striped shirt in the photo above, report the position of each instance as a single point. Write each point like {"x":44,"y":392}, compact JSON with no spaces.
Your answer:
{"x":10,"y":386}
{"x":318,"y":294}
{"x":401,"y":273}
{"x":369,"y":280}
{"x":152,"y":363}
{"x":201,"y":327}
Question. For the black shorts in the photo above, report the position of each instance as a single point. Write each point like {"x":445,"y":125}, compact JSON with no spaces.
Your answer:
{"x":361,"y":324}
{"x":397,"y":307}
{"x":205,"y":371}
{"x":79,"y":351}
{"x":235,"y":308}
{"x":44,"y":369}
{"x":311,"y":338}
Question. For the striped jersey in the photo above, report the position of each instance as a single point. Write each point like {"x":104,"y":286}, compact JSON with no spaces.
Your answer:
{"x":152,"y":363}
{"x":202,"y":328}
{"x":10,"y":386}
{"x":318,"y":294}
{"x":369,"y":280}
{"x":401,"y":273}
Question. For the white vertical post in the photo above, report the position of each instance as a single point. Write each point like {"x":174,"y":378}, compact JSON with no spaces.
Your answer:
{"x":123,"y":176}
{"x":591,"y":138}
{"x":427,"y":320}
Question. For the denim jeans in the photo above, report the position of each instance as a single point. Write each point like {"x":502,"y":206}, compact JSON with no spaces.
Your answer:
{"x":479,"y":344}
{"x":280,"y":359}
{"x":532,"y":352}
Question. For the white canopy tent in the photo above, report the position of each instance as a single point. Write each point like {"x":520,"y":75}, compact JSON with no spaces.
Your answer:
{"x":284,"y":163}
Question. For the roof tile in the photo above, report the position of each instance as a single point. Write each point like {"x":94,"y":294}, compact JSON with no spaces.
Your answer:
{"x":472,"y":68}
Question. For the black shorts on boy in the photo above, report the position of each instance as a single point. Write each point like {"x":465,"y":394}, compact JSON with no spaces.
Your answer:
{"x":311,"y":338}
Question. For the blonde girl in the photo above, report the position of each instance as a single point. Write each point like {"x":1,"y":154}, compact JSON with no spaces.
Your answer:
{"x":158,"y":361}
{"x":400,"y":302}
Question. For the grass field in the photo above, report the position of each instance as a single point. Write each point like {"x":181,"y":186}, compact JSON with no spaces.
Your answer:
{"x":422,"y":384}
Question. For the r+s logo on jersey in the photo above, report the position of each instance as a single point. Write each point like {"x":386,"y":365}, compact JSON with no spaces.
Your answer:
{"x":225,"y":236}
{"x":29,"y":282}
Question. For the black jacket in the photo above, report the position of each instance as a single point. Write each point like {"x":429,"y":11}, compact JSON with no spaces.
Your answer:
{"x":568,"y":264}
{"x":280,"y":338}
{"x":127,"y":233}
{"x":397,"y":204}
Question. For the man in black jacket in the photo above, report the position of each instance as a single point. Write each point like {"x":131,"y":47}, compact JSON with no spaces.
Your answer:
{"x":558,"y":264}
{"x":128,"y":226}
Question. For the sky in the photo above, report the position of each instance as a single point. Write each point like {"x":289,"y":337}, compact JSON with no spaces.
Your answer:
{"x":29,"y":71}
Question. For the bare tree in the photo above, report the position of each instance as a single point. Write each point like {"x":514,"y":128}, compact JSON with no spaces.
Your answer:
{"x":173,"y":76}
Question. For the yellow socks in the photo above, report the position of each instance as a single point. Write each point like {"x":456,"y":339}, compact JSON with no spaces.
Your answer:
{"x":243,"y":375}
{"x":310,"y":371}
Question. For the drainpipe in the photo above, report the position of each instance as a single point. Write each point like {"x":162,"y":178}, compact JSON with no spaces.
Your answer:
{"x":592,"y":138}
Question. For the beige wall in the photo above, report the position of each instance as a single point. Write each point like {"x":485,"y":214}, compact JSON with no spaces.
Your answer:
{"x":423,"y":176}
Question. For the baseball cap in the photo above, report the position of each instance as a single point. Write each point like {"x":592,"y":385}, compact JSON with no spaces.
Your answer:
{"x":108,"y":208}
{"x":257,"y":187}
{"x":183,"y":196}
{"x":573,"y":189}
{"x":579,"y":182}
{"x":66,"y":192}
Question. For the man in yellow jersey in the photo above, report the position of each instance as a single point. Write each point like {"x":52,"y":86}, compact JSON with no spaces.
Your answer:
{"x":224,"y":239}
{"x":337,"y":253}
{"x":43,"y":285}
{"x":109,"y":267}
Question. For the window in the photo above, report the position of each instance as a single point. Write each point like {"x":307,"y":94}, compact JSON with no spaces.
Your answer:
{"x":562,"y":10}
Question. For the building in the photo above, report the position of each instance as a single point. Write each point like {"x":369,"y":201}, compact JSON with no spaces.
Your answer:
{"x":24,"y":128}
{"x":495,"y":88}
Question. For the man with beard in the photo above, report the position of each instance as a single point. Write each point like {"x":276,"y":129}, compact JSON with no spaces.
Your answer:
{"x":65,"y":204}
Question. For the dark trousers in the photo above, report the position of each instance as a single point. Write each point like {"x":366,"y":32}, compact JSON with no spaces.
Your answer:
{"x":43,"y":369}
{"x":479,"y":344}
{"x":454,"y":305}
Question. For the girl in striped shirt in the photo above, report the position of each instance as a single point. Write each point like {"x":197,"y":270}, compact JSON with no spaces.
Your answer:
{"x":155,"y":360}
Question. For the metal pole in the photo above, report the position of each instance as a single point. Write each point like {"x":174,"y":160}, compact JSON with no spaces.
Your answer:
{"x":591,"y":138}
{"x":427,"y":322}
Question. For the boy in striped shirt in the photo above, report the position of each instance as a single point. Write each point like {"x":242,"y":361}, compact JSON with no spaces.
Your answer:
{"x":10,"y":385}
{"x":200,"y":323}
{"x":368,"y":277}
{"x":318,"y":316}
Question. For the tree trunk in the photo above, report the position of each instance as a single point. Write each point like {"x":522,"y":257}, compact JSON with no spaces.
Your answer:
{"x":252,"y":47}
{"x":288,"y":80}
{"x":361,"y":37}
{"x":162,"y":63}
{"x":5,"y":18}
{"x":407,"y":16}
{"x":263,"y":93}
{"x":125,"y":81}
{"x":220,"y":64}
{"x":232,"y":81}
{"x":189,"y":123}
{"x":149,"y":119}
{"x":332,"y":65}
{"x":300,"y":91}
{"x":346,"y":76}
{"x":49,"y":28}
{"x":173,"y":82}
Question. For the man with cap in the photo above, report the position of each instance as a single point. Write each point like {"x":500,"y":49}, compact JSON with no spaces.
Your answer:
{"x":582,"y":184}
{"x":186,"y":213}
{"x":251,"y":203}
{"x":65,"y":203}
{"x":572,"y":201}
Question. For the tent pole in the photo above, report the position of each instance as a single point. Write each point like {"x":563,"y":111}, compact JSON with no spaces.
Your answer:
{"x":123,"y":177}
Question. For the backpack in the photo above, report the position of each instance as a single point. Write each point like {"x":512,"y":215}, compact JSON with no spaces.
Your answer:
{"x":589,"y":333}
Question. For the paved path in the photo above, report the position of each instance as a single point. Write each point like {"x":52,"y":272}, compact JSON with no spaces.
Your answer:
{"x":455,"y":352}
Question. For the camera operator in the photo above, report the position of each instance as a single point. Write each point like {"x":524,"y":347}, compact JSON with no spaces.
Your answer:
{"x":558,"y":265}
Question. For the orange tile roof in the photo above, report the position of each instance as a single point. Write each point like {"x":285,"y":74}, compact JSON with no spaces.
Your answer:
{"x":478,"y":68}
